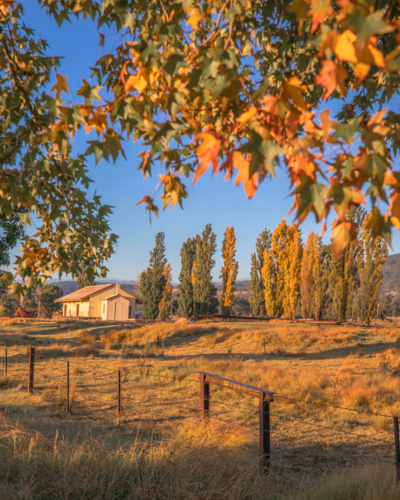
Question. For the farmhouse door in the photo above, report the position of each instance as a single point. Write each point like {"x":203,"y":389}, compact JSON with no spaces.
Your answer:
{"x":77,"y":309}
{"x":65,"y":309}
{"x":130,"y":312}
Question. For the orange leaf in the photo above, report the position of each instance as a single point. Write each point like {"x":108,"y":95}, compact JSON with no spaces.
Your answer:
{"x":207,"y":152}
{"x":60,"y":85}
{"x":247,"y":116}
{"x":326,"y":123}
{"x":242,"y":164}
{"x":320,"y":10}
{"x":138,"y":82}
{"x":343,"y":233}
{"x":332,"y":76}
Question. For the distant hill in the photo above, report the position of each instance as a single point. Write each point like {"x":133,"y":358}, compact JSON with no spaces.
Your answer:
{"x":391,"y":277}
{"x":71,"y":286}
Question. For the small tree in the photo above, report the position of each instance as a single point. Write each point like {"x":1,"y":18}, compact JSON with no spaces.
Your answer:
{"x":204,"y":290}
{"x":165,"y":304}
{"x":185,"y":286}
{"x":257,"y":285}
{"x":48,"y":295}
{"x":152,"y":281}
{"x":229,"y":270}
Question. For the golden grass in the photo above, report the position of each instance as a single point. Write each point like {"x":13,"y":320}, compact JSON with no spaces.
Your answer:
{"x":346,"y":366}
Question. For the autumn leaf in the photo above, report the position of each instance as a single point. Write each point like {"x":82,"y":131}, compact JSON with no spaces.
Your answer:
{"x":344,"y":47}
{"x":326,"y":123}
{"x":242,"y":164}
{"x":343,"y":233}
{"x":247,"y":115}
{"x":149,"y":205}
{"x":294,"y":90}
{"x":207,"y":152}
{"x":138,"y":81}
{"x":320,"y":9}
{"x":60,"y":85}
{"x":300,"y":8}
{"x":332,"y":76}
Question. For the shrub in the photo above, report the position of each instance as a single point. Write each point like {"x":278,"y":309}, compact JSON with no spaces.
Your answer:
{"x":86,"y":338}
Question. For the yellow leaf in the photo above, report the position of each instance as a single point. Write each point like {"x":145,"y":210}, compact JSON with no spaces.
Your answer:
{"x":361,"y":71}
{"x":207,"y":152}
{"x":326,"y":123}
{"x":247,"y":115}
{"x":60,"y":85}
{"x":300,"y":8}
{"x":345,"y":49}
{"x":294,"y":90}
{"x":138,"y":82}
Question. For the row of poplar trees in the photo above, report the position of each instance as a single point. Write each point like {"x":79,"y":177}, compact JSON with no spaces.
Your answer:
{"x":290,"y":278}
{"x":197,"y":292}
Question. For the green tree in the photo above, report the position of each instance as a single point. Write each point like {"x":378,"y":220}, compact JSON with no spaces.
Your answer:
{"x":257,"y":287}
{"x":47,"y":296}
{"x":371,"y":257}
{"x":314,"y":278}
{"x":229,"y":270}
{"x":152,"y":281}
{"x":343,"y":274}
{"x":185,"y":286}
{"x":204,"y":290}
{"x":84,"y":278}
{"x":165,"y":304}
{"x":11,"y":232}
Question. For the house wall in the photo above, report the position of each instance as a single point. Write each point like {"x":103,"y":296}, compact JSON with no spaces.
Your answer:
{"x":72,"y":306}
{"x":117,"y":309}
{"x":95,"y":301}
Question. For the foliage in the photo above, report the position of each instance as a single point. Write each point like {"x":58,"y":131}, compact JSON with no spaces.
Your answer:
{"x":343,"y":274}
{"x":84,"y":278}
{"x":39,"y":176}
{"x":386,"y":308}
{"x":241,"y":306}
{"x":237,"y":85}
{"x":152,"y":281}
{"x":370,"y":260}
{"x":47,"y":296}
{"x":281,"y":271}
{"x":314,"y":278}
{"x":185,"y":286}
{"x":257,"y":293}
{"x":229,"y":270}
{"x":204,"y":290}
{"x":165,"y":304}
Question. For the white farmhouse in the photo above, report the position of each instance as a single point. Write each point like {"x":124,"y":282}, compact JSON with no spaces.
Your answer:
{"x":109,"y":302}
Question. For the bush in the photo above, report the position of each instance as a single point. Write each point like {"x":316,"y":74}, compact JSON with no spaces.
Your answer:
{"x":86,"y":338}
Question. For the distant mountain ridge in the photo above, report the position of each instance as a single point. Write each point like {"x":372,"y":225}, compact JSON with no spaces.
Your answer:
{"x":390,"y":284}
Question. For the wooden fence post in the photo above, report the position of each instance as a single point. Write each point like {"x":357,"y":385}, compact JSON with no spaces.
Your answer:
{"x":265,"y":432}
{"x":31,"y":369}
{"x":68,"y":408}
{"x":396,"y":446}
{"x":5,"y":361}
{"x":119,"y":394}
{"x":204,"y":398}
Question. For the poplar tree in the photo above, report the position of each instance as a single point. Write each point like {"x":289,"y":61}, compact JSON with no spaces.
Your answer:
{"x":370,"y":259}
{"x":185,"y":287}
{"x":165,"y":304}
{"x":152,"y":281}
{"x":343,"y":277}
{"x":291,"y":271}
{"x":281,"y":271}
{"x":204,"y":291}
{"x":314,"y":278}
{"x":229,"y":270}
{"x":257,"y":293}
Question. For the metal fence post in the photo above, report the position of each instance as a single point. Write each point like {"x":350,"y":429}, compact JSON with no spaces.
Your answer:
{"x":5,"y":361}
{"x":396,"y":446}
{"x":67,"y":409}
{"x":265,"y":432}
{"x":204,"y":398}
{"x":119,"y":394}
{"x":31,"y":369}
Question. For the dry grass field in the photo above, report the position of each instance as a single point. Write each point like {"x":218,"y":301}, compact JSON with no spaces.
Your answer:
{"x":157,"y":448}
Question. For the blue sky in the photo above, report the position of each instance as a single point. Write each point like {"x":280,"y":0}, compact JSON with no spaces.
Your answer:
{"x":121,"y":185}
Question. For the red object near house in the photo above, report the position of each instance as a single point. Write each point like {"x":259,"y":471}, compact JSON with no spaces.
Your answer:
{"x":23,"y":313}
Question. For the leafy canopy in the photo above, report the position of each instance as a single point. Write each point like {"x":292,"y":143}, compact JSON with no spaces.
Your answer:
{"x":232,"y":84}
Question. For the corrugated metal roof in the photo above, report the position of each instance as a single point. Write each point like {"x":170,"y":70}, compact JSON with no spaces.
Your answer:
{"x":84,"y":293}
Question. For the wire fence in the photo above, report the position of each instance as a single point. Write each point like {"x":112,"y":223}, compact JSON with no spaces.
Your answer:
{"x":292,"y":438}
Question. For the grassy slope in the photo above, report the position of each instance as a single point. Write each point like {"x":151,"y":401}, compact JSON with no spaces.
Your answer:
{"x":90,"y":454}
